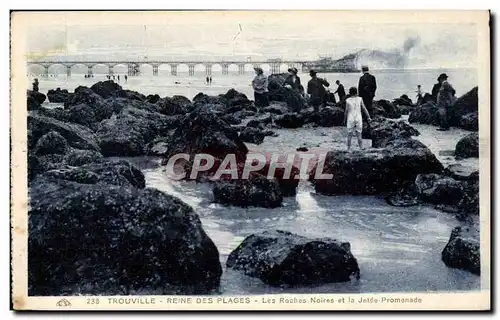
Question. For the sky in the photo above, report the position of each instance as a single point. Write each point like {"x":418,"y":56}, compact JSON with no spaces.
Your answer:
{"x":440,"y":45}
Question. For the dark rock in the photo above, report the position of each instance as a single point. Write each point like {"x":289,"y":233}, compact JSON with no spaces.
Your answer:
{"x":78,"y":157}
{"x":205,"y":132}
{"x":463,"y":250}
{"x":176,"y":105}
{"x":56,"y":113}
{"x":235,"y":98}
{"x":290,"y":120}
{"x":469,"y":122}
{"x":152,"y":98}
{"x":405,"y":110}
{"x":76,"y":135}
{"x":127,"y":133}
{"x":461,"y":172}
{"x":231,"y":119}
{"x":252,"y":135}
{"x":468,"y":146}
{"x":106,"y":89}
{"x":115,"y":172}
{"x":381,"y":131}
{"x":404,"y":100}
{"x":427,"y":113}
{"x":260,"y":123}
{"x":82,"y":114}
{"x":405,"y":197}
{"x":282,"y":258}
{"x":51,"y":143}
{"x":116,"y":241}
{"x":120,"y":104}
{"x":244,"y":113}
{"x":386,"y":109}
{"x":374,"y":171}
{"x":101,"y":108}
{"x":276,"y":107}
{"x":466,"y":104}
{"x":331,"y":116}
{"x":257,"y":191}
{"x":469,"y":204}
{"x":202,"y":99}
{"x":288,"y":183}
{"x":58,"y":95}
{"x":295,"y":102}
{"x":302,"y":149}
{"x":34,"y":100}
{"x":438,"y":189}
{"x":129,"y":94}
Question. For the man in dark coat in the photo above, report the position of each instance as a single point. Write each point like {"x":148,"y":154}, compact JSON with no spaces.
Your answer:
{"x":316,"y":89}
{"x":366,"y":88}
{"x":435,"y":90}
{"x":340,"y":90}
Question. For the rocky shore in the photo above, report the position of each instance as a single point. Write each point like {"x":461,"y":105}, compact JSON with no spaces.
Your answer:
{"x":94,"y":227}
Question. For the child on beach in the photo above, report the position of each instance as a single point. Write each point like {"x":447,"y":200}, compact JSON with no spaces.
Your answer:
{"x":353,"y":118}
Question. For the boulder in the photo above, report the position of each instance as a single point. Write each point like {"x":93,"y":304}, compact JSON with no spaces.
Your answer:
{"x":235,"y":98}
{"x":438,"y":189}
{"x":386,"y":109}
{"x":326,"y":117}
{"x":152,"y":98}
{"x":405,"y":197}
{"x":468,"y":146}
{"x":466,"y":104}
{"x":256,"y":191}
{"x":294,"y":100}
{"x":290,"y":120}
{"x":106,"y":89}
{"x":58,"y":95}
{"x":469,"y":122}
{"x":34,"y":100}
{"x":83,"y":114}
{"x":102,"y":108}
{"x":281,"y":258}
{"x":203,"y":131}
{"x":116,"y":240}
{"x":426,"y":113}
{"x":51,"y":143}
{"x":56,"y":113}
{"x":374,"y":171}
{"x":76,"y":135}
{"x":463,"y":250}
{"x":469,"y":204}
{"x":288,"y":184}
{"x":177,"y":105}
{"x":78,"y":157}
{"x":276,"y":107}
{"x":252,"y":135}
{"x":127,"y":133}
{"x":115,"y":172}
{"x":404,"y":100}
{"x":202,"y":99}
{"x":260,"y":123}
{"x":129,"y":94}
{"x":231,"y":119}
{"x":381,"y":131}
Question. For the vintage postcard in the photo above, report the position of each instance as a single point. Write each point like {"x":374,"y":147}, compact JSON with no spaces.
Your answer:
{"x":250,"y":160}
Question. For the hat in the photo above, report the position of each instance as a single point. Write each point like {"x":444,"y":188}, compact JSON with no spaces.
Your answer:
{"x":258,"y":69}
{"x":364,"y":68}
{"x":294,"y":70}
{"x":312,"y":72}
{"x":443,"y":76}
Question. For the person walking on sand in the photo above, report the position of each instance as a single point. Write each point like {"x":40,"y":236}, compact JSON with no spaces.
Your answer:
{"x":445,"y":98}
{"x":316,"y":90}
{"x":340,"y":90}
{"x":367,"y":86}
{"x":210,"y":79}
{"x":259,"y":84}
{"x":35,"y":85}
{"x":118,"y":77}
{"x":207,"y":80}
{"x":125,"y":76}
{"x":353,"y":118}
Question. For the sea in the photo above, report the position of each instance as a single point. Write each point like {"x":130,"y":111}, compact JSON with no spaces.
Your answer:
{"x":398,"y":249}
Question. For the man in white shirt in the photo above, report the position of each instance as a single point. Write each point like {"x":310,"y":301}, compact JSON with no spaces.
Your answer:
{"x":353,"y":117}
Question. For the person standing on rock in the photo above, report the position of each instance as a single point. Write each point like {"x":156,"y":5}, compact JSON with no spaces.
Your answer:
{"x":35,"y":85}
{"x":259,"y":84}
{"x":353,"y":118}
{"x":445,"y":99}
{"x":340,"y":90}
{"x":367,"y":86}
{"x":316,"y":90}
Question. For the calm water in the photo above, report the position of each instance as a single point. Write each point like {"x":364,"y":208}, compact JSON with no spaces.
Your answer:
{"x":398,"y":249}
{"x":391,"y":84}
